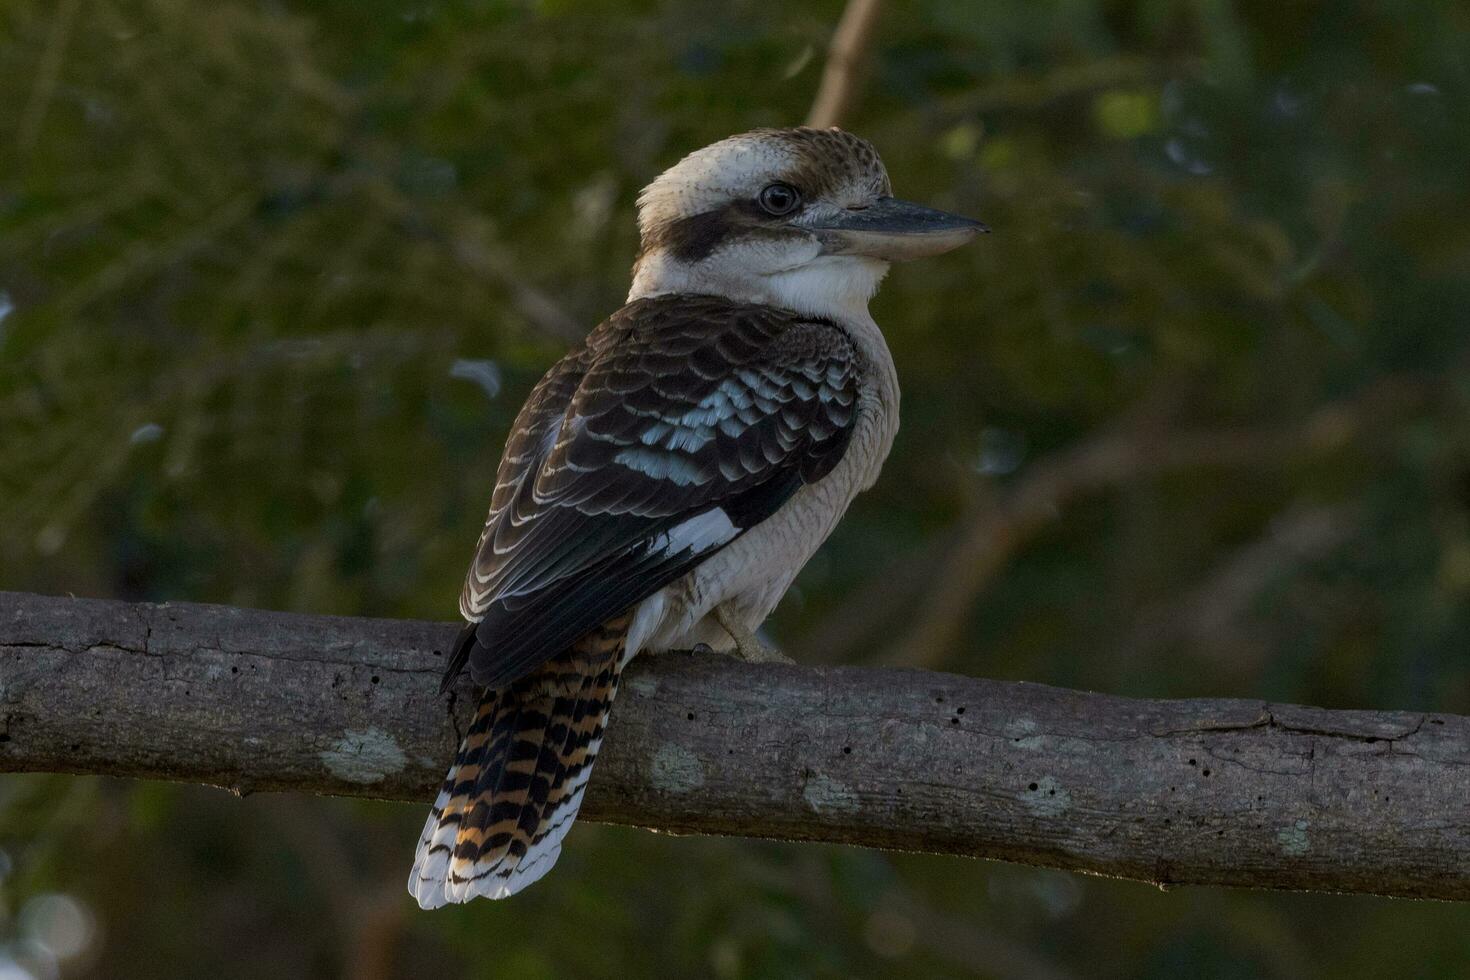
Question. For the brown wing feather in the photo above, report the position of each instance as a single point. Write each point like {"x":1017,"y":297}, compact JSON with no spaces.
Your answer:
{"x":681,"y":423}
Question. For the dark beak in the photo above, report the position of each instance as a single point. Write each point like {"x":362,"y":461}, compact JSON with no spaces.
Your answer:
{"x":892,"y":230}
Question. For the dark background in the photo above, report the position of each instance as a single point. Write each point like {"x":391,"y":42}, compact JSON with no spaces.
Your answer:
{"x":275,"y":276}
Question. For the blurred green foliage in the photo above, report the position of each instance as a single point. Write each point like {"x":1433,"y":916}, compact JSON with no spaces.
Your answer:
{"x":275,"y":276}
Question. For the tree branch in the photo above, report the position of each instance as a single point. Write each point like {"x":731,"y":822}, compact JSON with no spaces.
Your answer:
{"x":837,"y":91}
{"x":1226,"y":792}
{"x":1139,"y":449}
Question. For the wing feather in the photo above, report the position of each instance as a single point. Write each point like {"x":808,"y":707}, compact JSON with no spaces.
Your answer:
{"x":681,"y":423}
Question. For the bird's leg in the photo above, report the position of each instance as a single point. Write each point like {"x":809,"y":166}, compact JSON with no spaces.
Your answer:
{"x":748,"y":646}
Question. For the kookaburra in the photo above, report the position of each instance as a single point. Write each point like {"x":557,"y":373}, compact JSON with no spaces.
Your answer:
{"x":668,"y":478}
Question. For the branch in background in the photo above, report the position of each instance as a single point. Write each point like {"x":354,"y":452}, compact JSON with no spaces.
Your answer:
{"x":1027,"y":93}
{"x":876,"y":601}
{"x":473,"y":243}
{"x":1141,"y":451}
{"x":1207,"y":792}
{"x":476,"y":248}
{"x":1210,"y":620}
{"x":48,"y":76}
{"x":850,"y":43}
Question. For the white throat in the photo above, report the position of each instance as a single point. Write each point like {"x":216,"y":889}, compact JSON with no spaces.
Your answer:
{"x":835,"y":287}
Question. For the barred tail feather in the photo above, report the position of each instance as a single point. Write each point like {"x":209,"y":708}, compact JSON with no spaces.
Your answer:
{"x":518,"y":778}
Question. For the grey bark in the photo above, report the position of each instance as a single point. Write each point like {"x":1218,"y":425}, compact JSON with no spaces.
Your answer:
{"x":1226,"y":792}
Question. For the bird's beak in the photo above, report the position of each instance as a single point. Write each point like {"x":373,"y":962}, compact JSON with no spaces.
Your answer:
{"x":891,"y":230}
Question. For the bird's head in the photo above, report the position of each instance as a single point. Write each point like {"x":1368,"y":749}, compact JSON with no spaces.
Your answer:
{"x":801,"y":218}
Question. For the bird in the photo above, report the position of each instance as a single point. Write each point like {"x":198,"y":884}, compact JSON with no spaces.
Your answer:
{"x":667,"y":479}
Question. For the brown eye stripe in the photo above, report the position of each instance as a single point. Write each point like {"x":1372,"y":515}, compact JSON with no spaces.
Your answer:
{"x":693,"y":238}
{"x":827,"y":162}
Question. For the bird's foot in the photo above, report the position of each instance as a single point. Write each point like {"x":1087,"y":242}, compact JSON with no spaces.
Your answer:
{"x":753,"y":651}
{"x":748,"y":646}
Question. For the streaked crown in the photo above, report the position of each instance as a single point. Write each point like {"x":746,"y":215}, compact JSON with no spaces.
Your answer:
{"x":827,"y":165}
{"x":800,"y":219}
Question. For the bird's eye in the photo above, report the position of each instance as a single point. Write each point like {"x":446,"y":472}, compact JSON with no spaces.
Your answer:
{"x":779,"y":199}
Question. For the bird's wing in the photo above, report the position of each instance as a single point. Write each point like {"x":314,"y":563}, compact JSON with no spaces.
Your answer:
{"x":682,"y":423}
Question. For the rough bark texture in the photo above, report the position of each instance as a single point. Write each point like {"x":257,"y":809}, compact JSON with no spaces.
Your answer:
{"x":1211,"y":792}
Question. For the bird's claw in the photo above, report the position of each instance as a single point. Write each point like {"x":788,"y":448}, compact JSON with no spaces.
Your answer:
{"x":753,"y":651}
{"x":748,"y":646}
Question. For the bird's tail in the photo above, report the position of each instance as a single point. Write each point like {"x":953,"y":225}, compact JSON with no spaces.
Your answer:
{"x":517,"y":781}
